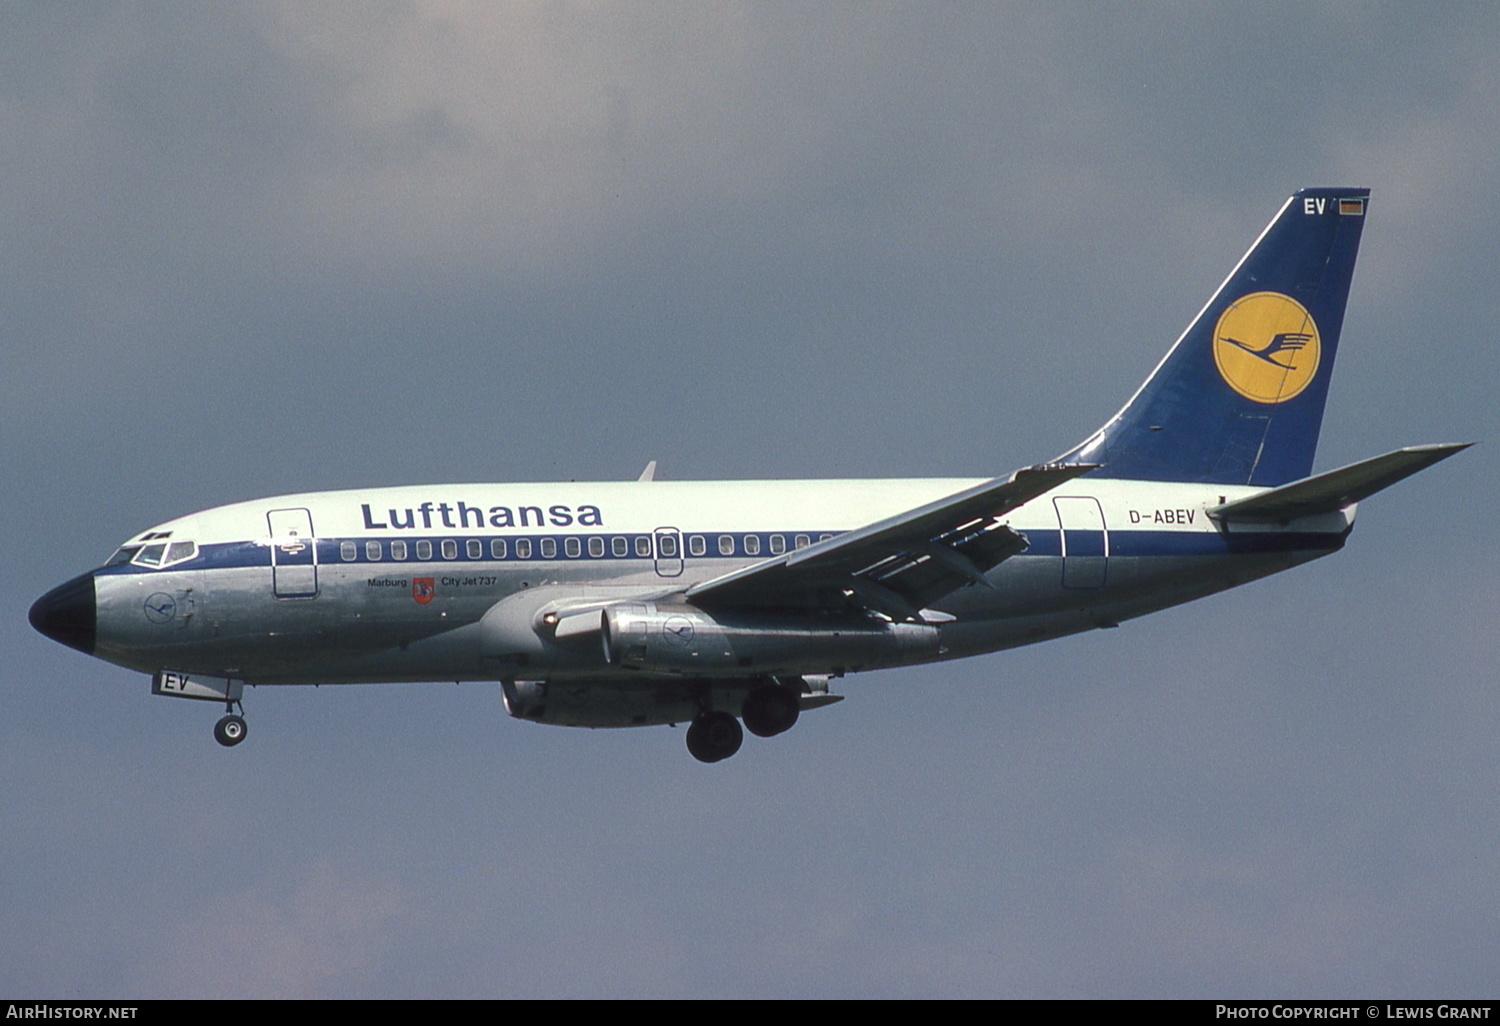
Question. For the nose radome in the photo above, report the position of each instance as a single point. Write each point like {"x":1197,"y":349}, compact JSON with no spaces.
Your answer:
{"x":68,"y":613}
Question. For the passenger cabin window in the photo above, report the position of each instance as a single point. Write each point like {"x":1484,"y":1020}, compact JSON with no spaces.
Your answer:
{"x":801,"y":541}
{"x":825,"y":536}
{"x":372,"y":550}
{"x":696,"y":545}
{"x":666,"y":544}
{"x":523,"y":548}
{"x":596,"y":546}
{"x":398,"y":550}
{"x":573,"y":547}
{"x":475,"y":548}
{"x":643,"y":546}
{"x":424,"y":549}
{"x":497,"y":548}
{"x":450,"y":548}
{"x":752,"y":544}
{"x":619,"y":546}
{"x":778,"y":544}
{"x":549,"y":548}
{"x":348,"y":551}
{"x":726,"y":544}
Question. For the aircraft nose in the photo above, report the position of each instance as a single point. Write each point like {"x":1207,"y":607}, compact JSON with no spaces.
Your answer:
{"x":68,"y":613}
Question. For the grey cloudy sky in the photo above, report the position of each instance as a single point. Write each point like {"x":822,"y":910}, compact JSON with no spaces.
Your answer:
{"x":268,"y":247}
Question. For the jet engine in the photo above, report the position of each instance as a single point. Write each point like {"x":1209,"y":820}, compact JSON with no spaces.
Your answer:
{"x":610,"y":703}
{"x":682,"y":639}
{"x":770,"y":705}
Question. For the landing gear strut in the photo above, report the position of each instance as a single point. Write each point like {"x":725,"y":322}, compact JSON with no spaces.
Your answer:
{"x":231,"y":729}
{"x":714,"y":736}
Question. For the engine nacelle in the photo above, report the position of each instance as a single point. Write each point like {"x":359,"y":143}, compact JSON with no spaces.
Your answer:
{"x":608,"y":703}
{"x":683,"y":639}
{"x":641,"y":702}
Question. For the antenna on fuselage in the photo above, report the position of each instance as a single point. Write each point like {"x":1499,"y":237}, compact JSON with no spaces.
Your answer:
{"x":649,"y":474}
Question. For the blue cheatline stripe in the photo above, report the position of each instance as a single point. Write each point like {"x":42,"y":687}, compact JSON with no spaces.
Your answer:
{"x":1043,"y":542}
{"x":1184,"y":543}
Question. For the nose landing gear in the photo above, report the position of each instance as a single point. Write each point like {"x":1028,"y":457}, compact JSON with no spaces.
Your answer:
{"x":231,"y":729}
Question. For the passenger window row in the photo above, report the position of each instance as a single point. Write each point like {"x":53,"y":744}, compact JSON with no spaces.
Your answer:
{"x":619,"y":546}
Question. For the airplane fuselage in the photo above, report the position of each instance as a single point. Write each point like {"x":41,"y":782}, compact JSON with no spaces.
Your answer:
{"x":446,"y":582}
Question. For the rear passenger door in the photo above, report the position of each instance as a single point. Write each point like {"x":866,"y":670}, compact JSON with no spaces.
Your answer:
{"x":1085,"y":541}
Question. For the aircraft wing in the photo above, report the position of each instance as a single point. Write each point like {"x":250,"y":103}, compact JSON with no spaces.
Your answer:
{"x":897,"y":565}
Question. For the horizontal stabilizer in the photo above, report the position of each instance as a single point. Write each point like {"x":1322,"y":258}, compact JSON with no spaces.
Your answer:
{"x":1333,"y":491}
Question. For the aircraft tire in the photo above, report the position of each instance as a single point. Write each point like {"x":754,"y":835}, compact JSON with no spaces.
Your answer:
{"x":714,"y":736}
{"x":230,"y":731}
{"x":771,"y":710}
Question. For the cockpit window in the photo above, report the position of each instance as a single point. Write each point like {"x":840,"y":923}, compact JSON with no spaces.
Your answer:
{"x":150,"y":555}
{"x":123,"y":555}
{"x":160,"y":554}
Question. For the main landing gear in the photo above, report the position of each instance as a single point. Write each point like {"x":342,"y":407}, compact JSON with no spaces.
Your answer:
{"x":231,"y":729}
{"x":768,"y":710}
{"x":714,"y":736}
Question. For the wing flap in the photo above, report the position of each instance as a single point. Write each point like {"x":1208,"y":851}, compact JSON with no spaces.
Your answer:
{"x":1336,"y":489}
{"x":900,"y":564}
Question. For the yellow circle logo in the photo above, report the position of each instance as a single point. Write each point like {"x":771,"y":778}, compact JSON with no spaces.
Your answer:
{"x":1266,"y":347}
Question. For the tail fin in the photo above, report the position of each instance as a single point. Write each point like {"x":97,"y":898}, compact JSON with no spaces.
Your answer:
{"x":1239,"y":398}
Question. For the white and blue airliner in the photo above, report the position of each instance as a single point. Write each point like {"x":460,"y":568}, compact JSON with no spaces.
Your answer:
{"x":634,"y":603}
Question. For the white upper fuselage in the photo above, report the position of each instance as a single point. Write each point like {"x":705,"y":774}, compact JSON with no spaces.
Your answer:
{"x":693,"y":507}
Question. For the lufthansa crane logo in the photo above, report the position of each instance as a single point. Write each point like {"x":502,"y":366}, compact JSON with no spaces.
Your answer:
{"x":1266,"y":347}
{"x":678,"y":630}
{"x":160,"y":607}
